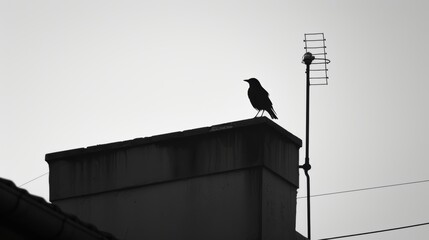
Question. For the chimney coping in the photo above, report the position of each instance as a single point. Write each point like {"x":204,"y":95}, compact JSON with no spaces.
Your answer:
{"x":170,"y":136}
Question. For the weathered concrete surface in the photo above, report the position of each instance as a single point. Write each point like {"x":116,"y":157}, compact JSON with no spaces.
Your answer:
{"x":218,"y":206}
{"x":232,"y":181}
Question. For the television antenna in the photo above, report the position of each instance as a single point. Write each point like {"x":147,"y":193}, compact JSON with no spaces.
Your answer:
{"x":316,"y":43}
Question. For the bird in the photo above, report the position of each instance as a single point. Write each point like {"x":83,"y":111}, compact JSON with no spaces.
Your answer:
{"x":259,"y":99}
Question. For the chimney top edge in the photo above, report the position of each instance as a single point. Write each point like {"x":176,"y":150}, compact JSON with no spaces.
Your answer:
{"x":173,"y":135}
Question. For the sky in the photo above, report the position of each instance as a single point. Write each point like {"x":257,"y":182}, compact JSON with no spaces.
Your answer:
{"x":81,"y":73}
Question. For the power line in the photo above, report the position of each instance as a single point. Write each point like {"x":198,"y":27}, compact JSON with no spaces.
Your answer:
{"x":33,"y":179}
{"x":378,"y":231}
{"x":365,"y":189}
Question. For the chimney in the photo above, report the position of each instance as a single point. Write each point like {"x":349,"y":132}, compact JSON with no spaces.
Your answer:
{"x":231,"y":181}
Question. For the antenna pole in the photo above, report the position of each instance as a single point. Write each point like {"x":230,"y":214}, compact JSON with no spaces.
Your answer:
{"x":308,"y":59}
{"x":307,"y":165}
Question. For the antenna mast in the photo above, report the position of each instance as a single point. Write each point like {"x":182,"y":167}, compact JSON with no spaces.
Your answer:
{"x":315,"y":42}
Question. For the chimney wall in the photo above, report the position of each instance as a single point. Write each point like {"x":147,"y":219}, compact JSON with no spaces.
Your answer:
{"x":232,"y":181}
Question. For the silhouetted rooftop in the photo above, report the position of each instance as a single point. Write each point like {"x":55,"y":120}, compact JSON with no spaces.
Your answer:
{"x":25,"y":216}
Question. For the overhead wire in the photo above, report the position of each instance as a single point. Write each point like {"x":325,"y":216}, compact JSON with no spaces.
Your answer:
{"x":33,"y":179}
{"x":315,"y":195}
{"x":365,"y":189}
{"x":377,"y":231}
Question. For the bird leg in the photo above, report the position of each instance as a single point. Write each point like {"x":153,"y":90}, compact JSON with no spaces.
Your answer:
{"x":262,"y":113}
{"x":257,"y":113}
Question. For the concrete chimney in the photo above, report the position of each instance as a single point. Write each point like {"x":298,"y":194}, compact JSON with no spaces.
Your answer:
{"x":232,"y":181}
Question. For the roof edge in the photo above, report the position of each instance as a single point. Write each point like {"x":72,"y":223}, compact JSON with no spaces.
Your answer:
{"x":55,"y":223}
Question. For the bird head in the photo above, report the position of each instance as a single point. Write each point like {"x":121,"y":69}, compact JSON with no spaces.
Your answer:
{"x":252,"y":81}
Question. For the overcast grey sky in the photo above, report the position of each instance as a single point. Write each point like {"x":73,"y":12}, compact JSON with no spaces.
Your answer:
{"x":79,"y":73}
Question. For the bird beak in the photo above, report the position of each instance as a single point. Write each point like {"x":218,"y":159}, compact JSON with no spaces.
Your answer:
{"x":247,"y":80}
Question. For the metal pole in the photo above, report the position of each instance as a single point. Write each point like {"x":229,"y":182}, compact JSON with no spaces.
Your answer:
{"x":307,"y":165}
{"x":308,"y":206}
{"x":307,"y":59}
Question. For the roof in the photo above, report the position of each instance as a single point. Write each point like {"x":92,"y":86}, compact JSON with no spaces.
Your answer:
{"x":25,"y":216}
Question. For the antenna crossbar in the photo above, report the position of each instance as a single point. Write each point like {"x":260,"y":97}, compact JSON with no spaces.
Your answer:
{"x":314,"y":34}
{"x":319,"y":84}
{"x":314,"y":47}
{"x":314,"y":40}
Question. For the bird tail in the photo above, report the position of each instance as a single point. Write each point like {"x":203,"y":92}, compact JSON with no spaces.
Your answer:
{"x":272,"y":113}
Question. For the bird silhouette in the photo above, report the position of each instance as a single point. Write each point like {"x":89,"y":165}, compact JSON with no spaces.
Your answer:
{"x":258,"y":97}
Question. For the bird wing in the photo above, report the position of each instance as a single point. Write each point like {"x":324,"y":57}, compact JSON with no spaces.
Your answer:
{"x":259,"y":98}
{"x":266,"y":99}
